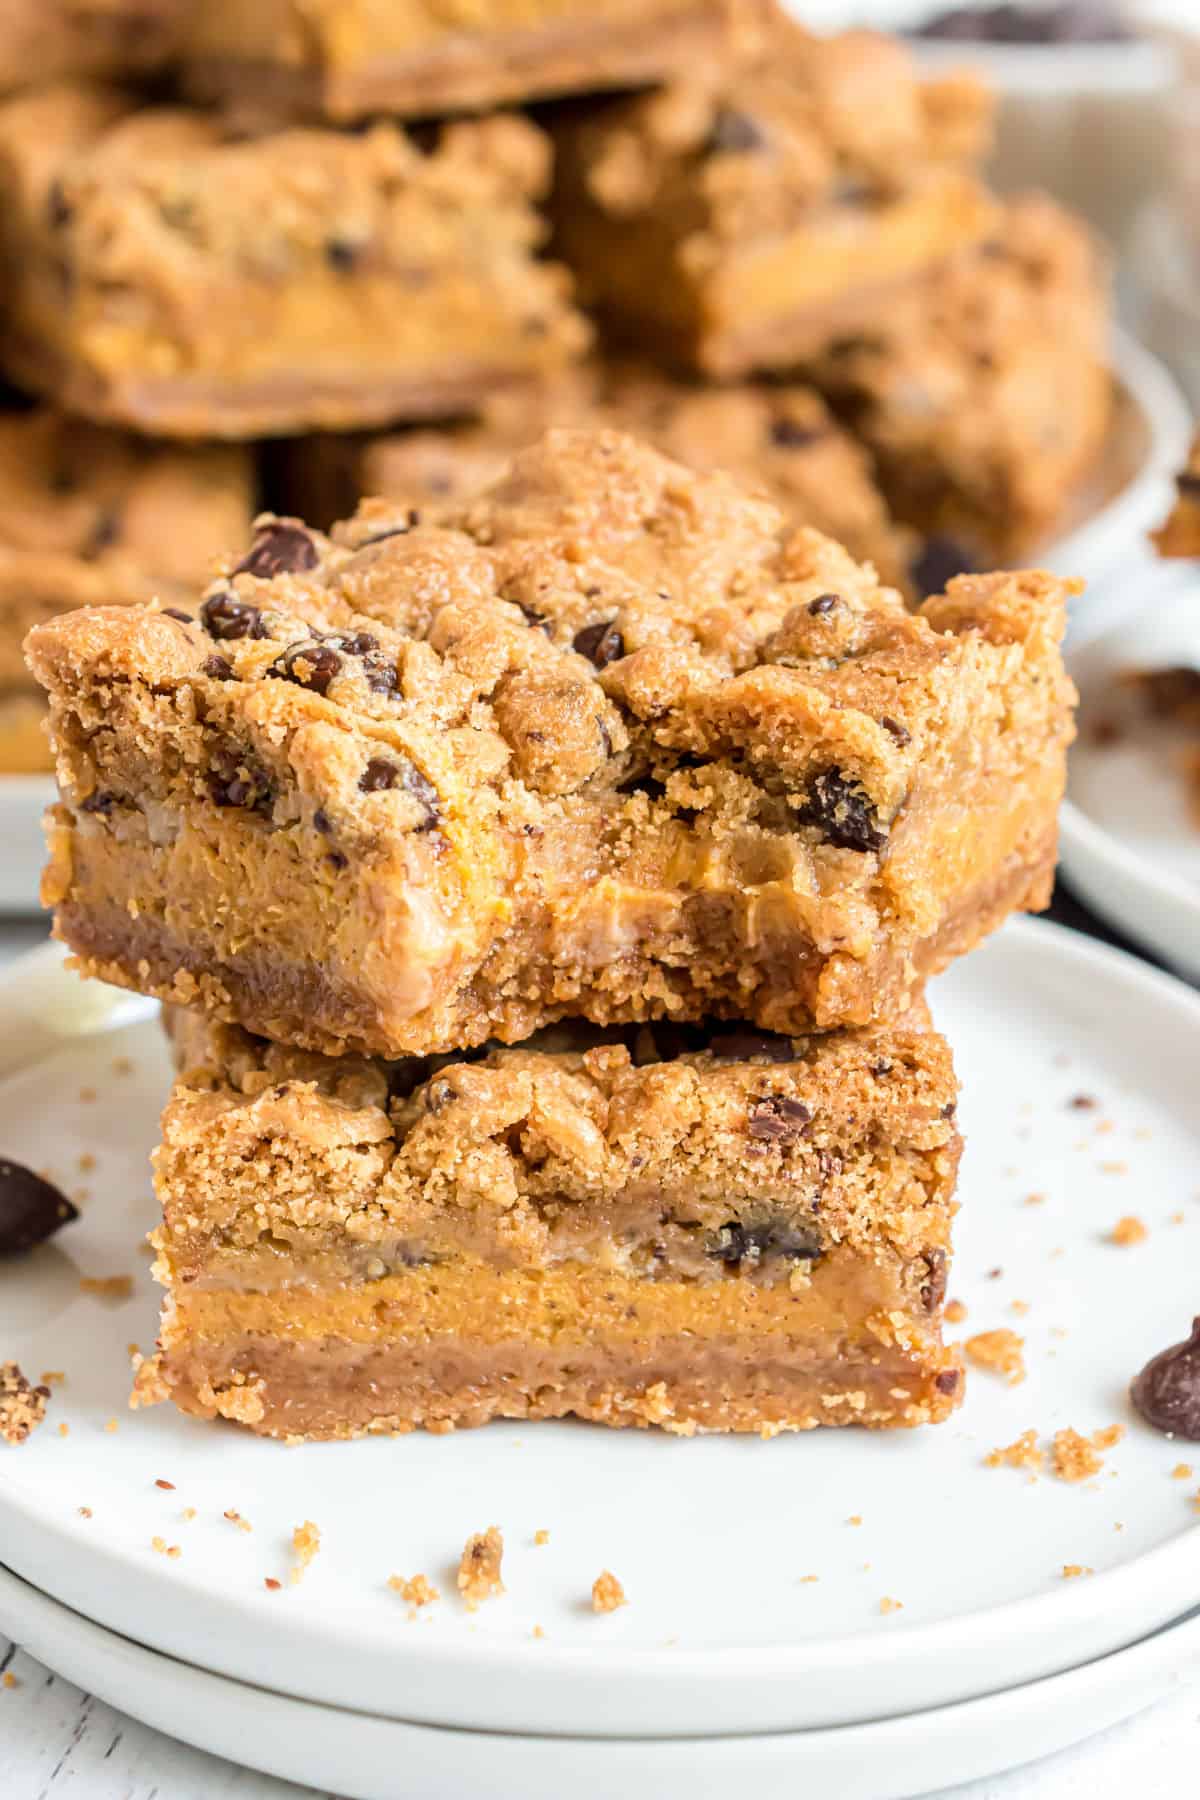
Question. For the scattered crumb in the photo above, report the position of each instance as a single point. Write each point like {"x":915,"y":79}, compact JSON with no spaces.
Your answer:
{"x":1020,"y":1307}
{"x":1073,"y":1458}
{"x":64,"y":1430}
{"x":52,"y":1377}
{"x":1129,"y":1230}
{"x":1000,"y":1351}
{"x":110,"y":1425}
{"x":87,"y":1163}
{"x":269,"y":1581}
{"x":1083,"y":1102}
{"x":1072,"y":1569}
{"x":163,"y":1548}
{"x":107,"y":1287}
{"x":607,"y":1593}
{"x":805,"y":1579}
{"x":541,"y":1537}
{"x":1114,"y":1168}
{"x":1035,"y":1199}
{"x":538,"y":1632}
{"x":888,"y":1605}
{"x":418,"y":1592}
{"x":955,"y":1312}
{"x":1181,"y":1471}
{"x":122,"y":1066}
{"x":134,"y":1349}
{"x":22,"y":1406}
{"x":306,"y":1541}
{"x":87,"y":1095}
{"x":1023,"y":1453}
{"x":10,"y":1680}
{"x":169,"y":1485}
{"x":854,"y":1519}
{"x":479,"y":1566}
{"x":1103,"y":1127}
{"x":85,"y":1512}
{"x":1107,"y":1436}
{"x":1118,"y":1524}
{"x":1176,"y":1218}
{"x":189,"y":1513}
{"x":235,"y":1518}
{"x":995,"y":1274}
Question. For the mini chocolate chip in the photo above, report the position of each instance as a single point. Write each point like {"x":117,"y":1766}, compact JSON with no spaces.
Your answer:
{"x":532,"y":616}
{"x":234,"y":780}
{"x":105,"y":531}
{"x":946,"y":1381}
{"x":842,"y":812}
{"x":601,"y":643}
{"x":322,"y":822}
{"x":734,"y":131}
{"x":744,"y":1046}
{"x":336,"y":859}
{"x":900,"y":732}
{"x":938,"y":561}
{"x":342,"y":255}
{"x":99,"y":802}
{"x":1167,"y":1392}
{"x":308,"y":665}
{"x":778,"y":1119}
{"x":279,"y":549}
{"x":824,"y":603}
{"x":31,"y":1208}
{"x":933,"y":1290}
{"x":378,"y":775}
{"x":949,"y":1110}
{"x":218,"y":668}
{"x":380,"y":674}
{"x":224,"y":616}
{"x":790,"y":434}
{"x":737,"y":1242}
{"x":173,"y":612}
{"x":358,"y":643}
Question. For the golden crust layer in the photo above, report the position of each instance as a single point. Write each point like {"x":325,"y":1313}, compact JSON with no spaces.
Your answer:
{"x":611,"y":741}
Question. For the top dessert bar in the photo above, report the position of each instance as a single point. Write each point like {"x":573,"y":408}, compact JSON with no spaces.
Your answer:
{"x":743,"y":220}
{"x":346,"y":59}
{"x":612,"y":740}
{"x":1180,"y":536}
{"x":163,"y":274}
{"x":780,"y":437}
{"x":45,"y":40}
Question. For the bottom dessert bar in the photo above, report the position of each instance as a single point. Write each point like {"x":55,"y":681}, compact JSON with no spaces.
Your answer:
{"x":721,"y":1231}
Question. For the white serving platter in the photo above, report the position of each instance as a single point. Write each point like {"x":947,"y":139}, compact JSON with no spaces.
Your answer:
{"x":711,"y":1537}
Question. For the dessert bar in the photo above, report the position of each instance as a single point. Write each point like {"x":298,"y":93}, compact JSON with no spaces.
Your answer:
{"x":89,"y":517}
{"x":164,"y":274}
{"x":744,"y":221}
{"x":613,"y":740}
{"x":48,"y":40}
{"x":705,"y":1229}
{"x":349,"y":59}
{"x":781,"y":438}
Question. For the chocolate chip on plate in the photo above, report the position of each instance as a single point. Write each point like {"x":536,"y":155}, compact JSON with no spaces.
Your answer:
{"x":1167,"y":1392}
{"x":279,"y":549}
{"x":31,"y":1208}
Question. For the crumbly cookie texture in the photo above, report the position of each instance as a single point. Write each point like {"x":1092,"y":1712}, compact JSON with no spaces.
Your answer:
{"x":777,"y":437}
{"x":613,"y":741}
{"x":22,"y":1406}
{"x":985,"y":397}
{"x":49,"y":40}
{"x":92,"y":517}
{"x":694,"y":1228}
{"x":169,"y":275}
{"x":747,"y":216}
{"x":1180,"y":535}
{"x":350,"y":59}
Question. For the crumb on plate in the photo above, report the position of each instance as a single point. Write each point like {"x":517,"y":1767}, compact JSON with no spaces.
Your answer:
{"x":417,"y":1590}
{"x":479,"y":1566}
{"x":22,"y":1406}
{"x":607,"y":1593}
{"x":1000,"y":1351}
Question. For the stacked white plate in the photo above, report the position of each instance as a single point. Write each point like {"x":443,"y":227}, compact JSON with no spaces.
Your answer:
{"x":731,"y":1665}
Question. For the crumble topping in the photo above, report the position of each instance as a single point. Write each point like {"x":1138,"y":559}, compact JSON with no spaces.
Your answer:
{"x":479,"y":1566}
{"x":607,"y":1593}
{"x":1000,"y":1351}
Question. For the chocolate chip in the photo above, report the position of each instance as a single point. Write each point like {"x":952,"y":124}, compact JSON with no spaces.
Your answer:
{"x":378,"y":775}
{"x":946,"y":1381}
{"x":336,"y":859}
{"x":790,"y":434}
{"x":173,"y":612}
{"x":310,"y":666}
{"x":342,"y":255}
{"x":734,"y":132}
{"x":601,"y":643}
{"x":381,"y":676}
{"x":105,"y":531}
{"x":235,"y":780}
{"x":31,"y":1208}
{"x":842,"y":812}
{"x":824,"y":603}
{"x":322,"y":822}
{"x":744,"y":1046}
{"x":356,"y":643}
{"x":99,"y":802}
{"x":218,"y":668}
{"x":59,"y":210}
{"x":938,"y":561}
{"x":1188,"y":484}
{"x":279,"y":549}
{"x":778,"y":1119}
{"x":933,"y":1290}
{"x":532,"y":616}
{"x":1167,"y":1392}
{"x":224,"y":616}
{"x":900,"y":732}
{"x":736,"y":1242}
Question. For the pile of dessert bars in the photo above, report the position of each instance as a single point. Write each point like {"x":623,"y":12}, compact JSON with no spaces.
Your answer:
{"x":541,"y":867}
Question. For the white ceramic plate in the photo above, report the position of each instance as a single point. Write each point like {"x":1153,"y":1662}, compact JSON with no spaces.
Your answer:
{"x":358,"y":1754}
{"x":1130,"y":834}
{"x":711,"y":1537}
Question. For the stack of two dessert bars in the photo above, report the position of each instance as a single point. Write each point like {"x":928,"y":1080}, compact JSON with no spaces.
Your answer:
{"x":542,"y":891}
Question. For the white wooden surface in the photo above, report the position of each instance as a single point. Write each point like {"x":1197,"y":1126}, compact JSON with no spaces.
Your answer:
{"x":57,"y":1743}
